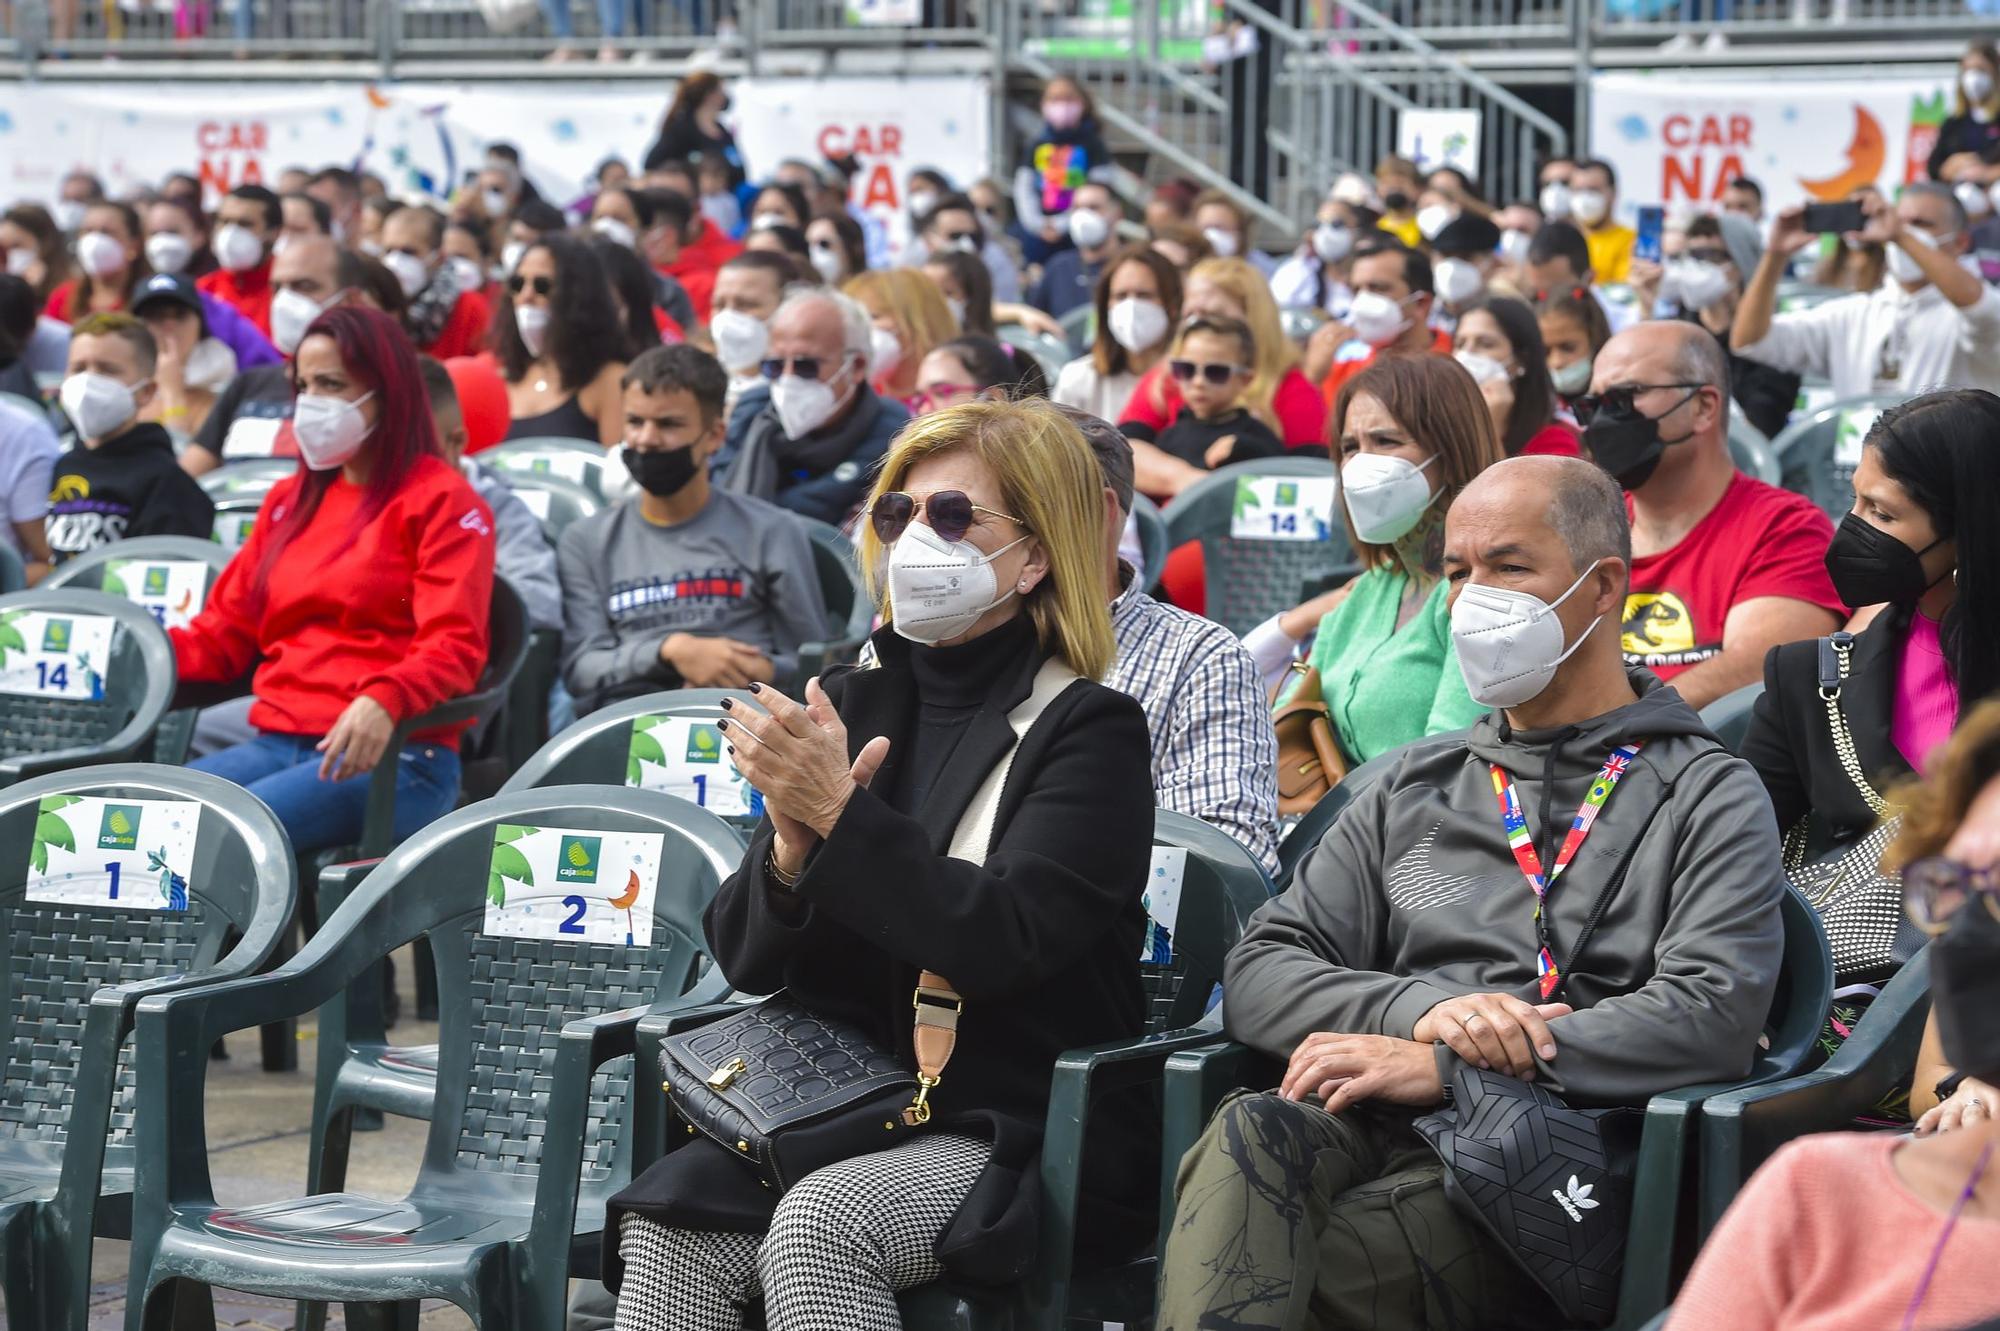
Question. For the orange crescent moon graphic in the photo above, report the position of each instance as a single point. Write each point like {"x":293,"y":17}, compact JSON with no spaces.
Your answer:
{"x":1865,"y":154}
{"x":625,"y":900}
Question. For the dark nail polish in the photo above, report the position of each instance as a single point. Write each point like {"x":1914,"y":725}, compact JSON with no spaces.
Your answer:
{"x":722,"y":725}
{"x":728,"y":703}
{"x":756,"y":688}
{"x":732,"y":748}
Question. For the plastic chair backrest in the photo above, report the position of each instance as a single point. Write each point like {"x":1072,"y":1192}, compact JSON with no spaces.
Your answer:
{"x":1152,"y":540}
{"x":504,"y":999}
{"x":1805,"y":990}
{"x":1300,"y":324}
{"x":1220,"y":890}
{"x":1050,"y":352}
{"x":1079,"y":329}
{"x":1817,"y":453}
{"x":1750,"y":450}
{"x":1313,"y":825}
{"x":234,"y":516}
{"x":13,"y":574}
{"x":597,"y":750}
{"x":555,"y":502}
{"x":246,"y":476}
{"x":1729,"y":715}
{"x":241,"y":878}
{"x":108,"y":569}
{"x":1251,"y":579}
{"x":574,"y":460}
{"x":131,"y":689}
{"x":842,"y":593}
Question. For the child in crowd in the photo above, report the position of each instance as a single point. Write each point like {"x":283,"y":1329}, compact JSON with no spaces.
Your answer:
{"x":1212,"y":364}
{"x":1574,"y":330}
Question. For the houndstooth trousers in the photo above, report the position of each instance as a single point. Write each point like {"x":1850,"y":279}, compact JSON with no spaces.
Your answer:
{"x":840,"y":1245}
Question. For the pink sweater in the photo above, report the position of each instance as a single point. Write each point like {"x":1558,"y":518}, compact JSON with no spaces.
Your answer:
{"x":1827,"y":1237}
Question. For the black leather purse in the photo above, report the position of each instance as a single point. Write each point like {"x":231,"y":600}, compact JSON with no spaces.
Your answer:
{"x":789,"y":1091}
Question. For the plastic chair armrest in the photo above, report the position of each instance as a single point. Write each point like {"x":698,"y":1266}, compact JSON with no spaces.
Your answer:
{"x":121,"y":747}
{"x":209,"y":693}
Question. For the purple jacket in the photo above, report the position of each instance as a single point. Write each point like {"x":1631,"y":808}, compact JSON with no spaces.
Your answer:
{"x":252,"y":348}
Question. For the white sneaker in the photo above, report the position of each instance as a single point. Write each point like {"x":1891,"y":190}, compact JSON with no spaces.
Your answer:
{"x":1713,"y":43}
{"x":1678,"y":44}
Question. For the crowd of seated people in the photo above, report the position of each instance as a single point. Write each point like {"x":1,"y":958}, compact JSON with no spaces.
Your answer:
{"x":1558,"y":872}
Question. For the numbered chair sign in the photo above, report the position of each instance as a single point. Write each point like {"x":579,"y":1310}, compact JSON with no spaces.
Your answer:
{"x":683,"y":756}
{"x":126,"y":854}
{"x":1283,"y":508}
{"x":232,"y":529}
{"x":54,"y":655}
{"x":1163,"y":904}
{"x":585,"y":887}
{"x":170,"y":590}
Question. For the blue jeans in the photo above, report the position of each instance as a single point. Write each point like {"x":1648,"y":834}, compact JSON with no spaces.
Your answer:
{"x":283,"y":771}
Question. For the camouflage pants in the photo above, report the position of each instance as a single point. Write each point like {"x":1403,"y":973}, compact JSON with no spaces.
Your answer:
{"x":1289,"y":1217}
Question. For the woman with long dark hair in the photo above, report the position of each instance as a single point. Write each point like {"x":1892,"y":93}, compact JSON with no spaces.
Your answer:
{"x":839,"y":249}
{"x":560,"y":355}
{"x":360,"y":598}
{"x":32,"y":248}
{"x":1921,"y":544}
{"x":977,"y":368}
{"x":1138,"y":303}
{"x":692,"y":130}
{"x":633,"y":286}
{"x":1500,"y":345}
{"x":110,"y":251}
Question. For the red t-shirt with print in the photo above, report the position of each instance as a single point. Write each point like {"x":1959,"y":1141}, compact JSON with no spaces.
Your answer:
{"x":1757,"y":541}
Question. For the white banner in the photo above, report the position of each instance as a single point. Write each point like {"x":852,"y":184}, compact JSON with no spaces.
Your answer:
{"x":423,"y":137}
{"x":1680,"y":140}
{"x":1433,"y":139}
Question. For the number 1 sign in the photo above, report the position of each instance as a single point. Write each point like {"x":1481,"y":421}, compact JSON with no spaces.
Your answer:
{"x":126,"y":854}
{"x":683,"y":756}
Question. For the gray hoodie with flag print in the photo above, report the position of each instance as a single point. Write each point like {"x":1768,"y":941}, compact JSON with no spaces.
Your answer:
{"x":1414,"y":897}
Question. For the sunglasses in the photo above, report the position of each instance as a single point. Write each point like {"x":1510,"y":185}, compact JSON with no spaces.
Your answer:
{"x":543,"y":286}
{"x":1619,"y":400}
{"x":805,"y":367}
{"x":1936,"y":888}
{"x":1186,"y":370}
{"x":949,"y":513}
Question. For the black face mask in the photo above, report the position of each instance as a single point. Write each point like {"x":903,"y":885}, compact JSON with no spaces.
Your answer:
{"x":1396,"y":201}
{"x":1870,"y":567}
{"x":660,"y":471}
{"x":1627,"y":442}
{"x":1965,"y":991}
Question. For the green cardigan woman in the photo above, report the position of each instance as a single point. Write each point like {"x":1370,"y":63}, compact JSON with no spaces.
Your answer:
{"x":1409,"y":434}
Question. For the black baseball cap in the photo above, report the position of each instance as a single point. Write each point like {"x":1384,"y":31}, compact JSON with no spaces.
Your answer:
{"x":164,"y":288}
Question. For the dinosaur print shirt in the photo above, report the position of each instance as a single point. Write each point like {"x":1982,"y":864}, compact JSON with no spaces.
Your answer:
{"x":1757,"y":541}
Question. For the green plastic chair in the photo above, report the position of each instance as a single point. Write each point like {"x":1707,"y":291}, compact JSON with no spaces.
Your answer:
{"x":554,"y":501}
{"x":246,"y":478}
{"x":71,"y":979}
{"x":234,"y":517}
{"x":532,"y":1130}
{"x":1300,"y":325}
{"x":41,"y":734}
{"x":1152,"y":541}
{"x":1750,"y":450}
{"x":1729,"y":715}
{"x":1079,"y":330}
{"x":13,"y":573}
{"x":849,"y":611}
{"x":573,"y":460}
{"x":1050,"y":352}
{"x":1817,"y":452}
{"x":109,"y":568}
{"x":1313,"y":825}
{"x":1248,"y":581}
{"x":1659,"y":1246}
{"x":1741,"y":1129}
{"x":1222,"y":888}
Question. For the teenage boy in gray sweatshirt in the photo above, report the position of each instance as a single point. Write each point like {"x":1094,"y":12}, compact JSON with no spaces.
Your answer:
{"x":1409,"y":940}
{"x":682,"y":585}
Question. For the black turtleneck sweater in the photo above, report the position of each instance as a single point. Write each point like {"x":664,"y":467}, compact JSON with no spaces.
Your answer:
{"x":129,"y":485}
{"x":952,"y":684}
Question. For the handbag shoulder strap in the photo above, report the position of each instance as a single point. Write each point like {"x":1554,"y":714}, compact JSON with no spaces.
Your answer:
{"x":1834,"y":651}
{"x":937,"y":1004}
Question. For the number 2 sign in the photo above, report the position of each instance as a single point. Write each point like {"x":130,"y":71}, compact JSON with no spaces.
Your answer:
{"x":573,"y":885}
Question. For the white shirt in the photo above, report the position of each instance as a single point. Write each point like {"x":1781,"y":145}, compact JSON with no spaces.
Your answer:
{"x":1938,"y":344}
{"x":1079,"y":385}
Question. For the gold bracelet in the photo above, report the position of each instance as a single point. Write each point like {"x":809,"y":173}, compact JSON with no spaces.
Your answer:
{"x":172,"y":413}
{"x":785,"y":880}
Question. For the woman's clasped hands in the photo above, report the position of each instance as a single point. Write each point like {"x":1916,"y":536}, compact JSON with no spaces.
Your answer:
{"x":796,"y":757}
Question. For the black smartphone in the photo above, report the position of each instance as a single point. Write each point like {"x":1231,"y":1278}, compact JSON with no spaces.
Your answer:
{"x":1838,"y":217}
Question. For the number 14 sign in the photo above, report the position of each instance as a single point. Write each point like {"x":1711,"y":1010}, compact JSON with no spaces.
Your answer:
{"x":1283,"y":508}
{"x":54,"y":655}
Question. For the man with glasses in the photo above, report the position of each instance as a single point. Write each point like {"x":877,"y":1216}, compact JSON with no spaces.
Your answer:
{"x":953,"y":224}
{"x":1724,"y":567}
{"x":252,"y":416}
{"x":808,"y":439}
{"x":1933,"y":324}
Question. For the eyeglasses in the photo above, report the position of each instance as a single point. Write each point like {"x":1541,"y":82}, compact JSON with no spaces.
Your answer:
{"x":1186,"y":370}
{"x":943,"y":395}
{"x":543,"y":286}
{"x":1936,"y":888}
{"x":805,"y":367}
{"x":949,"y":513}
{"x":1619,"y":400}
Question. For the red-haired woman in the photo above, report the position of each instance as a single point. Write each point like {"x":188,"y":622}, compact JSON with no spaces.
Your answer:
{"x":363,"y":588}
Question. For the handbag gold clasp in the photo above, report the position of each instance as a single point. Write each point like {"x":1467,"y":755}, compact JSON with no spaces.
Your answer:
{"x":725,"y":1076}
{"x":919,"y":1112}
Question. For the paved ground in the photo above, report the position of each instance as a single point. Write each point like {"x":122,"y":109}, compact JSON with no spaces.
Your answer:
{"x":257,"y":1132}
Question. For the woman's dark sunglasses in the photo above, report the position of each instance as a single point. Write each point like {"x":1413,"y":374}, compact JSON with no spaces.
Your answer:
{"x":949,"y":513}
{"x":1186,"y":370}
{"x":543,"y":286}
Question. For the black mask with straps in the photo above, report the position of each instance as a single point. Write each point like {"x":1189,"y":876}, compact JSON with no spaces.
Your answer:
{"x":1627,"y":442}
{"x":1870,"y":567}
{"x":660,"y":472}
{"x":1965,"y":991}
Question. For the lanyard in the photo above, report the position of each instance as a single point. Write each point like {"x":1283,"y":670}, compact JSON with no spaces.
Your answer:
{"x":1523,"y":845}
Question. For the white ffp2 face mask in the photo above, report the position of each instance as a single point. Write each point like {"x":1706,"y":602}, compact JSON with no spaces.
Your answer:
{"x":1556,"y":200}
{"x":1458,"y":281}
{"x":1589,"y":206}
{"x":329,"y":429}
{"x":939,"y":589}
{"x":885,"y":352}
{"x":1509,"y":643}
{"x":168,"y":251}
{"x":532,"y":322}
{"x":97,"y":404}
{"x":292,"y":312}
{"x":1483,"y":369}
{"x":1385,"y":496}
{"x":1375,"y":318}
{"x":99,"y":255}
{"x":410,"y":272}
{"x":237,"y":247}
{"x":1332,"y":242}
{"x":803,"y":405}
{"x":740,"y":339}
{"x":1138,"y":325}
{"x":1903,"y":265}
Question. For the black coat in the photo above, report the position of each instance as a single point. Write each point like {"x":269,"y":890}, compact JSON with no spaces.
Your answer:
{"x":1963,"y":134}
{"x":1042,"y":941}
{"x":1790,"y":741}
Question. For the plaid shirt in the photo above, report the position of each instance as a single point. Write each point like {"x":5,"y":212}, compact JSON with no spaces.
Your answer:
{"x":1215,"y":756}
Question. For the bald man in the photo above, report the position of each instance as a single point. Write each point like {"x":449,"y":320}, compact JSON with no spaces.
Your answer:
{"x":1407,"y":952}
{"x":1724,"y":566}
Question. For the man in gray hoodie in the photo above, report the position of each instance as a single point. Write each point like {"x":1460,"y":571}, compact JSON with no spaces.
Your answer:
{"x":1411,"y":938}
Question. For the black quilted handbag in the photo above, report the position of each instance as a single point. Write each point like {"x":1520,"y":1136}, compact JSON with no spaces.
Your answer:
{"x":789,"y":1091}
{"x":1551,"y":1184}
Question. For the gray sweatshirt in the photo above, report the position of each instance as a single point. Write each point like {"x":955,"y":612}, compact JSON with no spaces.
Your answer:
{"x":741,"y":568}
{"x":521,"y":552}
{"x":1414,"y":897}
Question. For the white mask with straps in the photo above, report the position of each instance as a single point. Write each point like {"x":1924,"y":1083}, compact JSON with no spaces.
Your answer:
{"x":1385,"y":496}
{"x":939,"y":589}
{"x":1509,"y":643}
